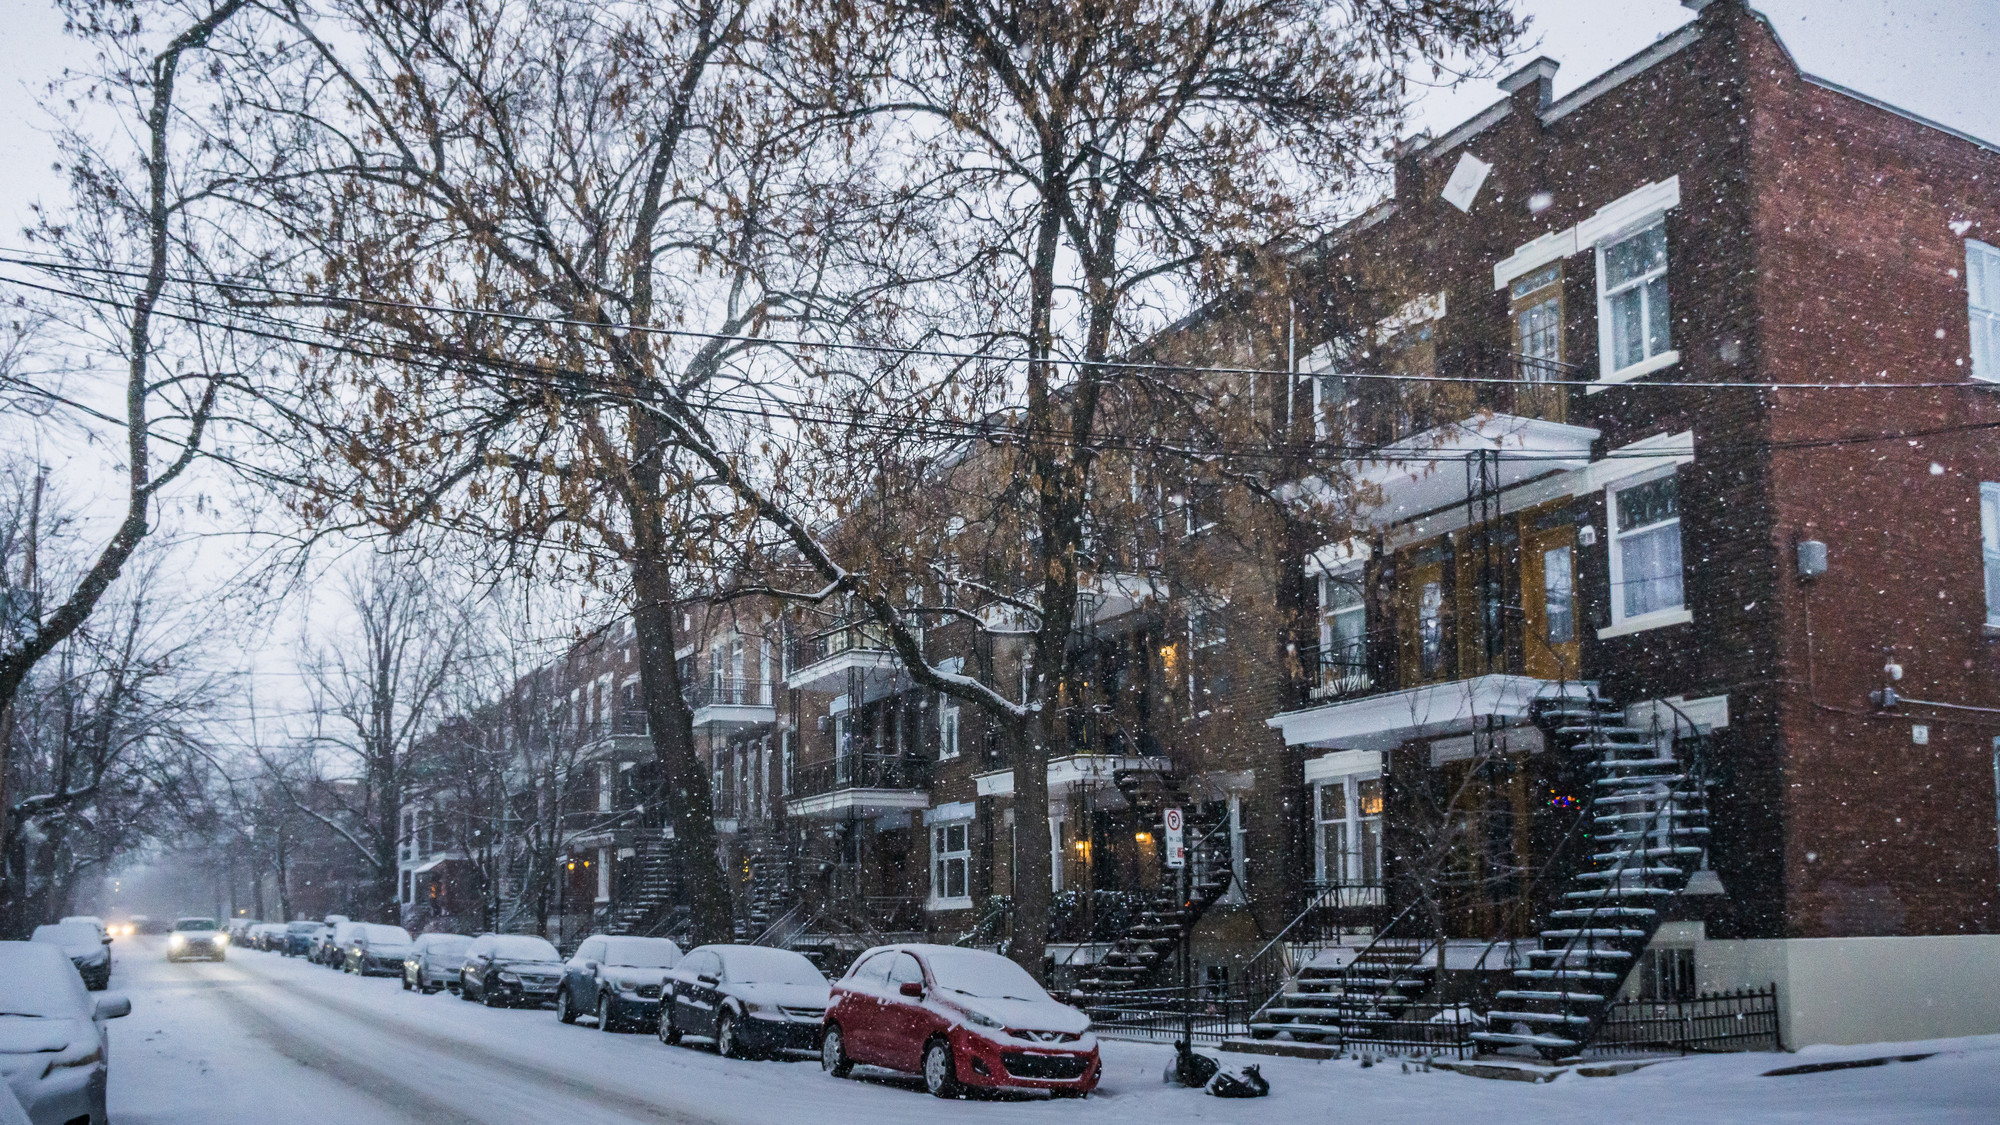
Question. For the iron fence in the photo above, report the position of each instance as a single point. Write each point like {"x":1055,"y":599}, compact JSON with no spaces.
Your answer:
{"x":861,"y":771}
{"x":1743,"y":1020}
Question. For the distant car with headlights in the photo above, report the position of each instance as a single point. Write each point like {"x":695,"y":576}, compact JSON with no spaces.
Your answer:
{"x":510,"y":970}
{"x":53,"y":1045}
{"x":749,"y":1000}
{"x":434,"y":961}
{"x":332,"y":951}
{"x":299,"y":938}
{"x":82,"y":943}
{"x":146,"y":924}
{"x":960,"y":1018}
{"x":618,"y":979}
{"x":373,"y":949}
{"x":197,"y":937}
{"x":265,"y":936}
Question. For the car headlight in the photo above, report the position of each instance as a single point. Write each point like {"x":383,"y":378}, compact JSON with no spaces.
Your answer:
{"x":510,"y":978}
{"x":222,"y":939}
{"x":627,"y":984}
{"x":981,"y":1019}
{"x":177,"y":940}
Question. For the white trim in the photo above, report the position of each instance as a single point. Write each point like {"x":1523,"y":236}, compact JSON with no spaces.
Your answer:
{"x":1344,"y":763}
{"x":1551,"y":247}
{"x":1658,"y":619}
{"x":941,"y":904}
{"x":1629,"y":212}
{"x":948,"y":813}
{"x":1647,"y":455}
{"x":1618,"y":75}
{"x":1989,"y":546}
{"x":1711,"y":712}
{"x":1379,"y":722}
{"x":1638,"y":370}
{"x":1337,"y":557}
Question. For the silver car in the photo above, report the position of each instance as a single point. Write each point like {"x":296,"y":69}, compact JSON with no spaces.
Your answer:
{"x":54,"y":1053}
{"x":434,"y":962}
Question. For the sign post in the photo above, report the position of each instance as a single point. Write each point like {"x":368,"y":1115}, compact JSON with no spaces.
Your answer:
{"x":1176,"y":842}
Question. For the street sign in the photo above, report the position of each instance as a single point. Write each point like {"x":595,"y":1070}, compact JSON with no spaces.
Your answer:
{"x":1176,"y":839}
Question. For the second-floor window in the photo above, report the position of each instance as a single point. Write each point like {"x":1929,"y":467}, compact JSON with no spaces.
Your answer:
{"x":1537,"y":309}
{"x":1982,"y":288}
{"x":1430,"y":628}
{"x":947,"y":727}
{"x":1343,"y":630}
{"x":951,"y":861}
{"x":1632,"y":298}
{"x":1989,"y":533}
{"x":1646,"y":549}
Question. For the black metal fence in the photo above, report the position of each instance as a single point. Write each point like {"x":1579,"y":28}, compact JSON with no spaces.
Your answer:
{"x":1745,"y":1020}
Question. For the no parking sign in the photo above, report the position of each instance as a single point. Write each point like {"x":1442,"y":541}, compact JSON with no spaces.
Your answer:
{"x":1176,"y":840}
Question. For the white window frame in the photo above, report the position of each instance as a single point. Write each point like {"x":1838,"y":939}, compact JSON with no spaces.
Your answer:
{"x":1657,"y":619}
{"x":1982,"y":305}
{"x":1654,"y":361}
{"x":940,"y":833}
{"x":1329,"y":579}
{"x":1347,"y":868}
{"x":1989,"y":539}
{"x":948,"y":728}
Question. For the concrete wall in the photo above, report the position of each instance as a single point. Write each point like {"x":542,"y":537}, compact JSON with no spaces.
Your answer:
{"x":1866,"y":989}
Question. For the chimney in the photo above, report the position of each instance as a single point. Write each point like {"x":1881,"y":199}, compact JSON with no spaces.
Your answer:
{"x":1535,"y":81}
{"x":1409,"y":168}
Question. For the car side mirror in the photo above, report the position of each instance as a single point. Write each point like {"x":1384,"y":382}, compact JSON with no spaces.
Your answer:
{"x":708,"y":980}
{"x":111,"y":1006}
{"x":590,"y":966}
{"x":911,"y":989}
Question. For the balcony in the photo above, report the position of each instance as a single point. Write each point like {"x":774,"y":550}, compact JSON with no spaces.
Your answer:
{"x":730,"y":703}
{"x":1384,"y":720}
{"x":1339,"y":670}
{"x":823,"y":660}
{"x":860,"y":785}
{"x":625,"y":731}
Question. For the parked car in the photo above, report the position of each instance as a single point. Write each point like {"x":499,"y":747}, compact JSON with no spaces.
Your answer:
{"x":238,"y":929}
{"x":85,"y":948}
{"x":510,"y":969}
{"x":372,"y":948}
{"x":147,"y":924}
{"x":197,"y":937}
{"x":103,"y":930}
{"x":618,"y":978}
{"x":299,"y":938}
{"x":332,"y":951}
{"x":750,"y":1000}
{"x":324,"y":945}
{"x":433,"y":961}
{"x":52,"y":1039}
{"x":959,"y":1017}
{"x":267,"y":936}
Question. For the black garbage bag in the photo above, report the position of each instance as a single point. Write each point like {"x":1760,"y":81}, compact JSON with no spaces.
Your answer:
{"x":1246,"y":1083}
{"x":1190,"y":1069}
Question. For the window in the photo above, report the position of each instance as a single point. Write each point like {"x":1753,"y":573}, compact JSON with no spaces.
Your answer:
{"x":1343,"y":630}
{"x":1989,"y":533}
{"x":1430,"y":628}
{"x":1646,"y":550}
{"x":1558,"y":595}
{"x":947,"y":727}
{"x":1208,"y":671}
{"x":1348,"y":845}
{"x":1537,"y":309}
{"x":408,"y":881}
{"x":951,"y":861}
{"x":1982,"y":290}
{"x":1632,"y":298}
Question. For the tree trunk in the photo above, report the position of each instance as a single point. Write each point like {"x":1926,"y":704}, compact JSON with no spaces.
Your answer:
{"x":683,"y":778}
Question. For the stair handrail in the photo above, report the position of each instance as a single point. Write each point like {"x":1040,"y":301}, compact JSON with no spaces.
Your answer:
{"x":795,"y":913}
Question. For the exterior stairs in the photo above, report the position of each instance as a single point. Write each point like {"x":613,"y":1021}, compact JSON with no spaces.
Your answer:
{"x":647,"y":902}
{"x":1358,"y":1001}
{"x":1142,"y":952}
{"x":1648,"y":810}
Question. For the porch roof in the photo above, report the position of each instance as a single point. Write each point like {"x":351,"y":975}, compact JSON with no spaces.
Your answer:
{"x":1380,"y":722}
{"x":1428,"y":471}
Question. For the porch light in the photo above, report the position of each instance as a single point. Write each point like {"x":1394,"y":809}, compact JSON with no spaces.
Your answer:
{"x":1143,"y":837}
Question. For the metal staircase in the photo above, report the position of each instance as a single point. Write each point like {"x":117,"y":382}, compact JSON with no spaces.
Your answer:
{"x":1140,"y":953}
{"x":1357,"y":1001}
{"x":772,"y":889}
{"x":1648,"y":810}
{"x":646,"y":904}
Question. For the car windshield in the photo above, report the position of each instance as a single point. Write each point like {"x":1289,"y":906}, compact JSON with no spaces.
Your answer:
{"x":36,"y":980}
{"x":973,"y":972}
{"x":445,"y":943}
{"x":385,"y":935}
{"x":642,"y":953}
{"x":304,"y":927}
{"x":68,"y":933}
{"x":190,"y":925}
{"x":768,"y":966}
{"x":520,"y":947}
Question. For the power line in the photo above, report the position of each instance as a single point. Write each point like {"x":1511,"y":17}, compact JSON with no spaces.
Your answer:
{"x":14,"y":257}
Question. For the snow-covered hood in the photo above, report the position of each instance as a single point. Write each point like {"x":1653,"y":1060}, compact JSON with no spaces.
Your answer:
{"x":1021,"y":1015}
{"x":96,"y":951}
{"x":785,"y":995}
{"x":532,"y":967}
{"x":633,"y":976}
{"x":387,"y":949}
{"x":21,"y":1036}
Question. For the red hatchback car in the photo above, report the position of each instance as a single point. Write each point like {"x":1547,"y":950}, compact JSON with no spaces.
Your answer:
{"x":959,"y":1017}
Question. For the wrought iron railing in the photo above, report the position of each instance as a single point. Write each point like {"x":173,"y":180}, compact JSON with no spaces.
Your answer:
{"x":861,"y":771}
{"x":730,"y":691}
{"x":1742,"y":1020}
{"x":829,"y":643}
{"x":1339,"y":670}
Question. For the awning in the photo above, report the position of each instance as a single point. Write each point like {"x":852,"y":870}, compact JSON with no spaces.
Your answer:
{"x":1435,"y":469}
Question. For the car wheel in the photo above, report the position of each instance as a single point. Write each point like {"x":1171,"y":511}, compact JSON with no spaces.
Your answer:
{"x":465,"y":992}
{"x":939,"y":1077}
{"x":564,"y":1013}
{"x":669,"y":1034}
{"x":727,"y":1043}
{"x":833,"y":1053}
{"x":604,"y":1021}
{"x":407,"y":986}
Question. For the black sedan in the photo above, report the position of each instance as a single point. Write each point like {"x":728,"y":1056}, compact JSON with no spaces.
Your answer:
{"x":617,"y":978}
{"x":748,"y":999}
{"x":510,"y":970}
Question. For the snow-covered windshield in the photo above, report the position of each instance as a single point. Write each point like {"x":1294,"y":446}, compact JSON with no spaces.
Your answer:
{"x":641,"y":953}
{"x":68,"y":933}
{"x":974,"y":972}
{"x":758,"y":965}
{"x":446,"y":943}
{"x":38,"y":980}
{"x":385,"y":935}
{"x":186,"y":925}
{"x":521,"y":947}
{"x":305,"y":927}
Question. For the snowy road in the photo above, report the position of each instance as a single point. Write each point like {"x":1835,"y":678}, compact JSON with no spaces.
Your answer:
{"x":266,"y":1040}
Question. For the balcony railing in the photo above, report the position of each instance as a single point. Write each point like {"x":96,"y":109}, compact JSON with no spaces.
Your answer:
{"x":859,"y":636}
{"x":861,"y":771}
{"x":730,"y":691}
{"x":1338,"y":671}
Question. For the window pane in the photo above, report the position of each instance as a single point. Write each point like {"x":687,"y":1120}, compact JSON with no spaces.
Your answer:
{"x":1651,"y":561}
{"x":1370,"y":802}
{"x":1656,"y":315}
{"x":1430,"y":626}
{"x":1989,"y":526}
{"x":1649,"y":503}
{"x":955,"y":878}
{"x":955,"y":838}
{"x":1628,"y":339}
{"x":1529,"y":282}
{"x":1536,"y":339}
{"x":1636,"y":256}
{"x":1558,"y":596}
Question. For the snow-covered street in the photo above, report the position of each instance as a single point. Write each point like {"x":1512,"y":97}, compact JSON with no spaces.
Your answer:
{"x":261,"y":1038}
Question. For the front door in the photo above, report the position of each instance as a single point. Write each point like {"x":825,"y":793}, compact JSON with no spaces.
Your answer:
{"x":1426,"y":636}
{"x":1550,"y":648}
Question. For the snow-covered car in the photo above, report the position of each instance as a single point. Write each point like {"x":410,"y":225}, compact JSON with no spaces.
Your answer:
{"x":373,"y":949}
{"x":197,"y":937}
{"x":959,"y":1017}
{"x":333,"y":948}
{"x":300,"y":937}
{"x":510,"y":969}
{"x":326,"y":944}
{"x":750,"y":1000}
{"x":618,"y":979}
{"x":434,"y":961}
{"x":239,"y":929}
{"x":267,"y":936}
{"x":53,"y":1047}
{"x":103,"y":930}
{"x":85,"y":949}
